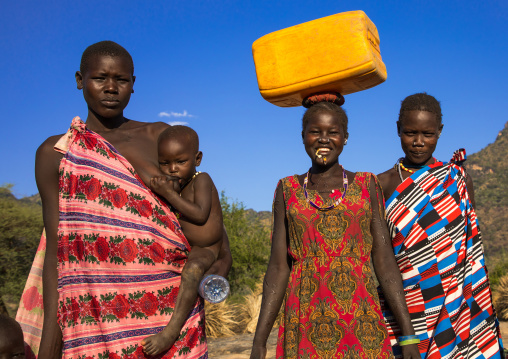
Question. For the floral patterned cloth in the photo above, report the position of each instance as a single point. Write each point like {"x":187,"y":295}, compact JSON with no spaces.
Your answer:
{"x":120,"y":252}
{"x":331,"y":307}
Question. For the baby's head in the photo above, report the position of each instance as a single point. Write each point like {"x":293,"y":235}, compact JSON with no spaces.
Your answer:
{"x":179,"y":154}
{"x":11,"y":339}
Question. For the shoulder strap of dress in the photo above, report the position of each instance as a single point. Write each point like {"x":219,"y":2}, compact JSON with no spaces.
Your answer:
{"x":286,"y":185}
{"x":459,"y":156}
{"x":63,"y":144}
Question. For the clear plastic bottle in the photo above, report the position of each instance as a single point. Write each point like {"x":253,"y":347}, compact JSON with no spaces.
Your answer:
{"x":214,"y":288}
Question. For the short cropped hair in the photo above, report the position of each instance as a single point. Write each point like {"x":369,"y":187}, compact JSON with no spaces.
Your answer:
{"x":104,"y":48}
{"x":8,"y":324}
{"x":421,"y":102}
{"x":180,"y":133}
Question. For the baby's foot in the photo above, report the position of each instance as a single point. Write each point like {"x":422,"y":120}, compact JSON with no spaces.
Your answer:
{"x":159,"y":342}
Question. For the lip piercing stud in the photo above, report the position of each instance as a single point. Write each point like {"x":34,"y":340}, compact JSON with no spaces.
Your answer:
{"x":320,"y":156}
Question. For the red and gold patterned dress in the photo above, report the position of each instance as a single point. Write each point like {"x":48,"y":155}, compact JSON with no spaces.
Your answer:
{"x":331,"y":307}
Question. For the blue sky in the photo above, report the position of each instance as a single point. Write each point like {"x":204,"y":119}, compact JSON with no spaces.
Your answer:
{"x":193,"y":61}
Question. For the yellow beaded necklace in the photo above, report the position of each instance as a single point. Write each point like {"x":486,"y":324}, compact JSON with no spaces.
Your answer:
{"x":404,"y":168}
{"x":399,"y":165}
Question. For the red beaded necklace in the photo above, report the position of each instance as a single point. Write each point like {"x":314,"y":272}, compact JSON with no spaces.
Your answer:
{"x":336,"y":203}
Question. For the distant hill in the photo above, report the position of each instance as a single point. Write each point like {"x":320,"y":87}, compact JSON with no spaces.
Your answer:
{"x":489,"y":169}
{"x":35,"y":199}
{"x":264,"y":217}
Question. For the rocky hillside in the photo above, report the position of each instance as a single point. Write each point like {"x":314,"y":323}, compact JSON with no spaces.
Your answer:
{"x":489,"y":169}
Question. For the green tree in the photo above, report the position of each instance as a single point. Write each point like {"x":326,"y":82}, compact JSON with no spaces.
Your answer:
{"x":250,"y":246}
{"x":20,"y":230}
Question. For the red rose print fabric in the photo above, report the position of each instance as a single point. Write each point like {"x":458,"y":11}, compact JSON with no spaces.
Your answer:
{"x":120,"y":255}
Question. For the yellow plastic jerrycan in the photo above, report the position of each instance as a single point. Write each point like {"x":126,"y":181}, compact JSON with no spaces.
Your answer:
{"x":338,"y":53}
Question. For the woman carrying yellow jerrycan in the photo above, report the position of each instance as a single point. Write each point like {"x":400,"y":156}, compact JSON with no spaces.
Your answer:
{"x":327,"y":221}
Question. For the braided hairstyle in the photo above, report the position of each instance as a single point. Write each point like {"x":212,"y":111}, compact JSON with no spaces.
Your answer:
{"x":103,"y":48}
{"x":421,"y":102}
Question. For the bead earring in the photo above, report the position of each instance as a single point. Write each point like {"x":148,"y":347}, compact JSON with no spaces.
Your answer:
{"x":345,"y":142}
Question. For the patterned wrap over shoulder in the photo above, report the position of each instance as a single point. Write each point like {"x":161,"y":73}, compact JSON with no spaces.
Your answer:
{"x":438,"y":247}
{"x":331,"y":307}
{"x":120,"y":252}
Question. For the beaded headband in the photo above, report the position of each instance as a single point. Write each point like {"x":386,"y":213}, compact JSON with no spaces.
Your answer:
{"x":333,"y":97}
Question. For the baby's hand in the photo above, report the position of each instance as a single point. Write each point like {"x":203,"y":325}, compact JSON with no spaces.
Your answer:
{"x":164,"y":185}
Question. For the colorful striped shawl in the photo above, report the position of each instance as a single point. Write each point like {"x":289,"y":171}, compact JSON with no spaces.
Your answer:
{"x":438,"y":247}
{"x":120,"y":252}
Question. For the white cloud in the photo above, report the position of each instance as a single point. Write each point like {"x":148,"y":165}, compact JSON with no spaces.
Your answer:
{"x":176,"y":123}
{"x":175,"y":114}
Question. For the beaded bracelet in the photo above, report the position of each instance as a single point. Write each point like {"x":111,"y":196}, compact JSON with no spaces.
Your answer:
{"x":408,"y":339}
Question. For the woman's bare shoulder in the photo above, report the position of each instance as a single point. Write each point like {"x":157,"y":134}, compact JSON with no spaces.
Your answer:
{"x":388,"y":176}
{"x":151,"y":128}
{"x":51,"y":141}
{"x":157,"y":127}
{"x":48,"y":147}
{"x":389,"y":180}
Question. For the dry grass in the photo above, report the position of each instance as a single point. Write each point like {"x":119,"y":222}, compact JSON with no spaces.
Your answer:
{"x":220,"y":319}
{"x":249,"y":311}
{"x":226,"y":319}
{"x":501,"y":298}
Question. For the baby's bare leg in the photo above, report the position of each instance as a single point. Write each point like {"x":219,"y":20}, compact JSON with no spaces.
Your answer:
{"x":200,"y":259}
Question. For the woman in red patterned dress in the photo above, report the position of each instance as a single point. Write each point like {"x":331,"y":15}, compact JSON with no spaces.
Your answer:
{"x":327,"y":223}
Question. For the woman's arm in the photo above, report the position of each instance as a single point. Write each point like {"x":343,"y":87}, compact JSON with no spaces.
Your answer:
{"x":470,"y":188}
{"x":387,"y":270}
{"x":47,"y":162}
{"x":276,"y":277}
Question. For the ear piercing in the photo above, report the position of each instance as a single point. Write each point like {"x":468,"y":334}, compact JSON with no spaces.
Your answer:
{"x":345,"y":142}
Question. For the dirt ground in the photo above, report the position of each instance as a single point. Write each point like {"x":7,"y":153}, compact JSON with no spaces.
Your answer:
{"x":238,"y":347}
{"x":504,"y":333}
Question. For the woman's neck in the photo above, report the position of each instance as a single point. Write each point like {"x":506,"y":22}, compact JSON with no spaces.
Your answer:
{"x":326,"y":171}
{"x":407,"y":163}
{"x":325,"y":179}
{"x":100,"y":124}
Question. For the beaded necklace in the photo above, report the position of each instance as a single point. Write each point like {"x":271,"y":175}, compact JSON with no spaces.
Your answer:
{"x":336,"y":203}
{"x":399,"y":165}
{"x":173,"y":209}
{"x":186,"y":183}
